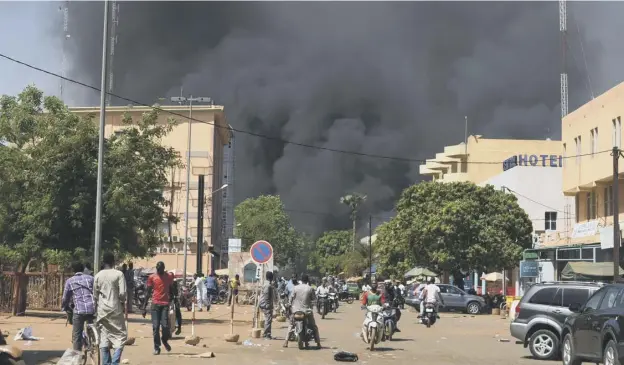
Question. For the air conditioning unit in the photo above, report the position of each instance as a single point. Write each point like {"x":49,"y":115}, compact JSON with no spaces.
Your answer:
{"x":175,"y":239}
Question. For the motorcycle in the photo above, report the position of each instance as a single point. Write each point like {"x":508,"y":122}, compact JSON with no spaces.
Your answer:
{"x":186,"y":297}
{"x":284,"y":306}
{"x":373,"y":328}
{"x":333,"y":303}
{"x":389,"y":320}
{"x":430,"y":315}
{"x":10,"y":355}
{"x":345,"y":297}
{"x":304,"y":333}
{"x":323,"y":305}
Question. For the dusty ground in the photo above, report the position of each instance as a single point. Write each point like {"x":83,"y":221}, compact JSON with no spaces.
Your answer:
{"x":455,"y":339}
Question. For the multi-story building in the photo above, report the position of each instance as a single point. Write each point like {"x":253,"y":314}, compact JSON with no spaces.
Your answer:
{"x":483,"y":158}
{"x":208,"y":140}
{"x":589,"y":134}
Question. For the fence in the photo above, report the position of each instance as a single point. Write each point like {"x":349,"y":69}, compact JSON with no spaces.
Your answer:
{"x":44,"y":291}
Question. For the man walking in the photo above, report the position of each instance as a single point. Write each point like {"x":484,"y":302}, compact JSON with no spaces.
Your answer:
{"x":79,"y":290}
{"x":212,"y":290}
{"x":159,"y":287}
{"x":200,"y":288}
{"x":109,"y":290}
{"x":267,"y":298}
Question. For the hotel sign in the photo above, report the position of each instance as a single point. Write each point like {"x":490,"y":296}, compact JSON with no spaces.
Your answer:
{"x":533,"y":160}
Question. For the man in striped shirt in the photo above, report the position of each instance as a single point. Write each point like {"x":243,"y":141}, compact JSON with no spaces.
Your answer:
{"x":78,"y":294}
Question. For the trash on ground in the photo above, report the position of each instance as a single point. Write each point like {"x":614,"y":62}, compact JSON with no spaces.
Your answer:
{"x":70,"y":357}
{"x":125,"y":361}
{"x":206,"y":355}
{"x":346,"y":356}
{"x":26,"y":334}
{"x":249,"y":343}
{"x":503,"y":340}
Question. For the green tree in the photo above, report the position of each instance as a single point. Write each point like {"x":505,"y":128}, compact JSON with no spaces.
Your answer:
{"x":329,"y":251}
{"x":453,"y":226}
{"x":48,"y":173}
{"x":264,"y":218}
{"x":353,"y":201}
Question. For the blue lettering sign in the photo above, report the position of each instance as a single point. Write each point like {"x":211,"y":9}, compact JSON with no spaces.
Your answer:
{"x":553,"y":160}
{"x":533,"y":160}
{"x":543,"y":159}
{"x":522,"y":160}
{"x":529,"y":269}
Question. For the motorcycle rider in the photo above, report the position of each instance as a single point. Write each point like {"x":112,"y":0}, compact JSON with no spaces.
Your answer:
{"x":301,"y":301}
{"x":372,"y":297}
{"x":392,"y":299}
{"x":290,"y":286}
{"x":431,"y":294}
{"x":323,"y":289}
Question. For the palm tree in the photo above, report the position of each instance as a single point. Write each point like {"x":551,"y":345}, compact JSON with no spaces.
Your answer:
{"x":353,"y":201}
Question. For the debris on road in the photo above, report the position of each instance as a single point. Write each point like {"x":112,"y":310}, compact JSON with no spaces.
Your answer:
{"x":192,"y":340}
{"x":345,"y":356}
{"x":249,"y":343}
{"x":26,"y":334}
{"x":503,"y":340}
{"x":206,"y":355}
{"x":125,"y":361}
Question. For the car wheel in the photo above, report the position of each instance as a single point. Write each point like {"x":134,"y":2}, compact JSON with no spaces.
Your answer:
{"x":611,"y":355}
{"x":544,"y":345}
{"x":473,"y":308}
{"x":568,"y":353}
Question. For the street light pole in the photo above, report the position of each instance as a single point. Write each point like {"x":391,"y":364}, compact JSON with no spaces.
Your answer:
{"x":100,"y":166}
{"x":190,"y":100}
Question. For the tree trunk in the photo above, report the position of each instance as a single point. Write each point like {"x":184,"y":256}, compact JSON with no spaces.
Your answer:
{"x":354,"y":236}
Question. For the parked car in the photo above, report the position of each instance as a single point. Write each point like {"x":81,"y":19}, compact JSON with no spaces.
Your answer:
{"x":454,"y":299}
{"x":542,"y":311}
{"x":593,"y":333}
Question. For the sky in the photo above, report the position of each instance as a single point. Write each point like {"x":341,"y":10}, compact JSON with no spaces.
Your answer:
{"x":384,"y":78}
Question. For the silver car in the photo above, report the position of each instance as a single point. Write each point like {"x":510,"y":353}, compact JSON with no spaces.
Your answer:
{"x":454,"y":299}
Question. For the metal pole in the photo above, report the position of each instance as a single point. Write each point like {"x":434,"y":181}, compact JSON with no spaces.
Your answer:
{"x":188,"y":187}
{"x":370,"y":247}
{"x":200,"y":223}
{"x":466,"y":135}
{"x":616,"y":213}
{"x":100,"y":167}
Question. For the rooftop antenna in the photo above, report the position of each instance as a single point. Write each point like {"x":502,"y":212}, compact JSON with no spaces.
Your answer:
{"x":563,"y":28}
{"x":65,"y":10}
{"x":113,"y":43}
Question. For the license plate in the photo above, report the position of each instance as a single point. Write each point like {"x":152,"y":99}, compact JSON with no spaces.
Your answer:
{"x":429,"y":310}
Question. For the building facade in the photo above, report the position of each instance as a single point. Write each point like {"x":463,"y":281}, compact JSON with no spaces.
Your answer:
{"x":483,"y":158}
{"x":209,"y":138}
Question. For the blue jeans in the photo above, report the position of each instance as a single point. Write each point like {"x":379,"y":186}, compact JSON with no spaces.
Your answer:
{"x":160,"y":321}
{"x":106,"y":356}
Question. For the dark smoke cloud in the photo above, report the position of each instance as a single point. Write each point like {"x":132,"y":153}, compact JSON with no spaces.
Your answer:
{"x":384,"y":78}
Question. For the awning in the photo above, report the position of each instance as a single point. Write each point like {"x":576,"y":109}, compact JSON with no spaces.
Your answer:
{"x":222,"y":272}
{"x":588,"y":270}
{"x":420,"y":272}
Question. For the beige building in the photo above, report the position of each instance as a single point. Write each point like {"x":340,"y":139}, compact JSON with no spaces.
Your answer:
{"x":589,"y":134}
{"x":483,"y":158}
{"x":207,"y":146}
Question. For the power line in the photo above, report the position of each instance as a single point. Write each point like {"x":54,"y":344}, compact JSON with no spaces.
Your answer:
{"x":536,"y":202}
{"x":259,"y":135}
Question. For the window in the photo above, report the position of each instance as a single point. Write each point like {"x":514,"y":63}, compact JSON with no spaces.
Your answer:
{"x":617,"y":132}
{"x":543,"y":296}
{"x":592,"y":303}
{"x":550,"y":219}
{"x":578,"y":146}
{"x":608,"y":201}
{"x":591,"y":205}
{"x":556,"y":301}
{"x":443,"y":289}
{"x":574,"y":296}
{"x":609,"y":300}
{"x":593,"y":142}
{"x":454,"y":290}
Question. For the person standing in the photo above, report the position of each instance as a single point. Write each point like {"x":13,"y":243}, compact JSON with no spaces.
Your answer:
{"x":159,"y":288}
{"x":175,"y":300}
{"x":234,"y":285}
{"x":212,"y":289}
{"x":109,"y":291}
{"x":79,"y":290}
{"x":200,"y":289}
{"x":267,"y":298}
{"x":129,"y":275}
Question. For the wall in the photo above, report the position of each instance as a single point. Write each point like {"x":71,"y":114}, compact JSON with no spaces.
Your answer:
{"x":174,"y":261}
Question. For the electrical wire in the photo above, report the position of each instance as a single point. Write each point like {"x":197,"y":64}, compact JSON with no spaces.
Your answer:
{"x":259,"y":135}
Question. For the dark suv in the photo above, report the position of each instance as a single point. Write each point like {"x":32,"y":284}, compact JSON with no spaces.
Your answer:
{"x":540,"y":315}
{"x":594,"y":332}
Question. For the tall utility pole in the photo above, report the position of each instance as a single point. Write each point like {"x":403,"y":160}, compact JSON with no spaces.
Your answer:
{"x":370,"y":248}
{"x":616,"y":221}
{"x":182,"y":100}
{"x":113,"y":44}
{"x":65,"y":10}
{"x":200,"y":222}
{"x":563,"y":28}
{"x":100,"y":167}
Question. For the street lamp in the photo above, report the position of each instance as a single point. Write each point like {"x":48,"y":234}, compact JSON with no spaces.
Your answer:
{"x":182,"y":100}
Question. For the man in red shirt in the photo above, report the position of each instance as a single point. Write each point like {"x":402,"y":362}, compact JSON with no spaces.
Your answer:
{"x":160,"y":289}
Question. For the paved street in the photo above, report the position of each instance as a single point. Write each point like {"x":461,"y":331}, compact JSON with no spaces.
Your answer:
{"x":455,"y":339}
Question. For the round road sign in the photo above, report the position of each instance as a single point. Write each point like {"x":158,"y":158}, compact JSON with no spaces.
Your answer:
{"x":261,"y":252}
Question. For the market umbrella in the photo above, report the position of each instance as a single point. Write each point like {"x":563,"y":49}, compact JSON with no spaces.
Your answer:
{"x":493,"y":276}
{"x":420,"y":272}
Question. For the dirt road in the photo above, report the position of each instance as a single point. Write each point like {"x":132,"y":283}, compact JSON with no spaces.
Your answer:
{"x":455,"y":339}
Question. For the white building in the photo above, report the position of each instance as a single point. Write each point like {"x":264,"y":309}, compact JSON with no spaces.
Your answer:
{"x":539,"y":193}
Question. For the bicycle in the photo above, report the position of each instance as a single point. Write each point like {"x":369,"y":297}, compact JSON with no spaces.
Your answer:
{"x":90,"y":344}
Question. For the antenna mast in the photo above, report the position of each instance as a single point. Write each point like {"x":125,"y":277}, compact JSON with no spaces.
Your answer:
{"x":65,"y":10}
{"x":563,"y":28}
{"x":113,"y":43}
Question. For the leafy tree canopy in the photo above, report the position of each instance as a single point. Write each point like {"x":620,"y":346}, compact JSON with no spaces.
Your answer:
{"x":330,"y":248}
{"x":48,"y":174}
{"x":264,"y":218}
{"x":451,"y":227}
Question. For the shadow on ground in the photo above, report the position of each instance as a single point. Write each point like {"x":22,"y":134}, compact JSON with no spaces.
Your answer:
{"x":32,"y":357}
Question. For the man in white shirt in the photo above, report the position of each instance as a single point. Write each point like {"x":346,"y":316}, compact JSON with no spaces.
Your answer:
{"x":418,"y":292}
{"x":201,"y":291}
{"x":431,"y":294}
{"x":323,"y":289}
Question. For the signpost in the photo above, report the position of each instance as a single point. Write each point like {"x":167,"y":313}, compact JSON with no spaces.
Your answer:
{"x":261,"y":253}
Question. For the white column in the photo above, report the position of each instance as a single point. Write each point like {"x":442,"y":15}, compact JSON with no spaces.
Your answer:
{"x":483,"y":286}
{"x":475,"y":283}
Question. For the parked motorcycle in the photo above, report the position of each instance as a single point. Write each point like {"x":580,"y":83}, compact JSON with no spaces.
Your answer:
{"x":323,"y":305}
{"x":430,"y":315}
{"x":304,"y":333}
{"x":373,"y":328}
{"x":10,"y":355}
{"x":186,"y":297}
{"x":345,"y":297}
{"x":333,"y":302}
{"x":390,"y":322}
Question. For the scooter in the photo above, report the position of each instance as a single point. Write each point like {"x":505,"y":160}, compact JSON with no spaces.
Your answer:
{"x":304,"y":333}
{"x":373,"y":328}
{"x":430,"y":316}
{"x":333,"y":303}
{"x":345,"y":296}
{"x":10,"y":355}
{"x":323,"y":305}
{"x":389,"y":320}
